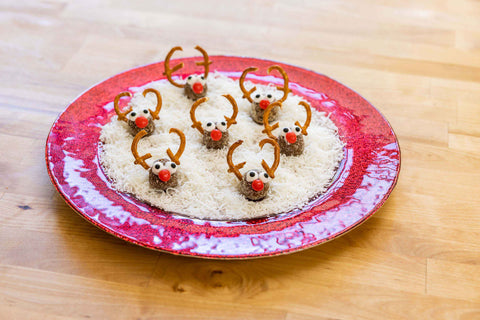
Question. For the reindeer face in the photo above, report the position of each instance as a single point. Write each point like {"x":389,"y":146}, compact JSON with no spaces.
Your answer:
{"x":260,"y":103}
{"x":291,"y":141}
{"x":255,"y":184}
{"x":196,"y":87}
{"x":162,"y":174}
{"x":139,"y":120}
{"x":261,"y":100}
{"x":215,"y":135}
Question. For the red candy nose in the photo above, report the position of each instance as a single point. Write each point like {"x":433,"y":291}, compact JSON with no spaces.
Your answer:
{"x":216,"y":135}
{"x":264,"y":104}
{"x":141,"y":122}
{"x":257,"y":185}
{"x":164,"y":175}
{"x":291,"y":137}
{"x":197,"y":87}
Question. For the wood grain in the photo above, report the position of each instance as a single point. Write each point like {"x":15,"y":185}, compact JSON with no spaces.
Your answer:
{"x":418,"y":62}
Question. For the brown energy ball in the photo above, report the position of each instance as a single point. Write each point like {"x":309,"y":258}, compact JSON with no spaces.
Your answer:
{"x":162,"y":175}
{"x":134,"y":129}
{"x":291,"y":141}
{"x":255,"y":185}
{"x":196,"y":87}
{"x":260,"y":103}
{"x":140,"y":120}
{"x":215,"y":135}
{"x":257,"y":113}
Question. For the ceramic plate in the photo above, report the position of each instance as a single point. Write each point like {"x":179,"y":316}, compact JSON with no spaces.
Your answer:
{"x":365,"y":179}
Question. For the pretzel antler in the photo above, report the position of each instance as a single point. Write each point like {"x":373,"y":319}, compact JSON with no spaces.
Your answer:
{"x":309,"y":117}
{"x":197,"y":124}
{"x":232,"y":167}
{"x":121,"y":115}
{"x":176,"y":158}
{"x":276,"y":162}
{"x":285,"y":88}
{"x":138,"y":159}
{"x":205,"y":63}
{"x":168,"y":72}
{"x":231,"y":120}
{"x":268,"y":129}
{"x":159,"y":102}
{"x":246,"y":94}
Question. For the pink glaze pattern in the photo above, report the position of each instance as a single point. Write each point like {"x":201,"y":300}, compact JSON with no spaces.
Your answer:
{"x":362,"y":184}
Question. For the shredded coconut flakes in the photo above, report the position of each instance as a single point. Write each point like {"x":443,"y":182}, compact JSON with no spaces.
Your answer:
{"x":206,"y":190}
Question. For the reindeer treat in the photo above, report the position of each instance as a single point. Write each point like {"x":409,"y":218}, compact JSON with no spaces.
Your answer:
{"x":195,"y":86}
{"x":163,"y":173}
{"x":261,"y":100}
{"x":255,"y":183}
{"x":215,"y":134}
{"x":139,"y":120}
{"x":290,"y":139}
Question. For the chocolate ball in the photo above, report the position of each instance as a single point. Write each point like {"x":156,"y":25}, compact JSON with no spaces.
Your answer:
{"x":155,"y":181}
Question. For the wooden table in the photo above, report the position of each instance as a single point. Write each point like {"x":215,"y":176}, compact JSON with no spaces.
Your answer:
{"x":418,"y":62}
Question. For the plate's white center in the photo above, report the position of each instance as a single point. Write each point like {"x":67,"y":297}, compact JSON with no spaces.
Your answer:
{"x":206,"y":189}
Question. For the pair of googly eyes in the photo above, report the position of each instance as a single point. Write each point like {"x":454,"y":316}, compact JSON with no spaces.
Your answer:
{"x":261,"y":96}
{"x":159,"y":166}
{"x":295,"y":129}
{"x":191,"y":79}
{"x":210,"y":126}
{"x":253,"y":175}
{"x":134,"y":114}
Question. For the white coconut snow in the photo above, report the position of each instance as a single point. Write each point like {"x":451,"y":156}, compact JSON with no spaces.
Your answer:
{"x":206,"y":189}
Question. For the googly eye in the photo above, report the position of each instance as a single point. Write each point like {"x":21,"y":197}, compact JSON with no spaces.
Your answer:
{"x":297,"y":130}
{"x":264,"y":177}
{"x":145,"y":111}
{"x":209,"y":126}
{"x":191,"y":79}
{"x":251,"y":176}
{"x":157,"y":167}
{"x":285,"y":131}
{"x":257,"y":98}
{"x":222,"y":126}
{"x":172,"y":167}
{"x":132,"y":115}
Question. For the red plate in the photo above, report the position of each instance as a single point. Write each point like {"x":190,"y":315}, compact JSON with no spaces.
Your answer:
{"x":363,"y":182}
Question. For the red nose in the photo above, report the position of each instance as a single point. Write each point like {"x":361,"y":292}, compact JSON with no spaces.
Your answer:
{"x":164,"y":175}
{"x":197,"y":87}
{"x":291,"y":137}
{"x":216,"y":135}
{"x":141,"y":122}
{"x":257,"y":185}
{"x":264,"y":104}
